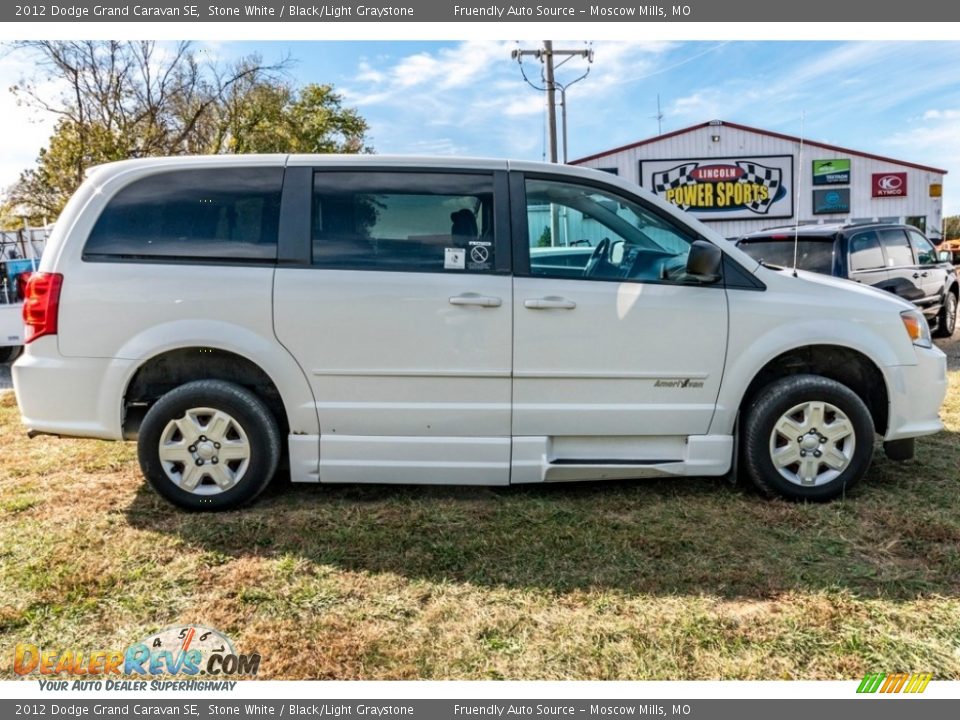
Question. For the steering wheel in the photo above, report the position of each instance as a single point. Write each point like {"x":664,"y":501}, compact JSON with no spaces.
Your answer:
{"x":596,"y":257}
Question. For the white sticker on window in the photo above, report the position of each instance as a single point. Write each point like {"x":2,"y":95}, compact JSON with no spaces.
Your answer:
{"x":454,"y":259}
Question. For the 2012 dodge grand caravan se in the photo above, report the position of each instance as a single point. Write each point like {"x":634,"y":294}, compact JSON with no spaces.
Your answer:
{"x":395,"y":320}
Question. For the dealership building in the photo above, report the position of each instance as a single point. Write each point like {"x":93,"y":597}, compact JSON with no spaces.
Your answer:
{"x":739,"y":179}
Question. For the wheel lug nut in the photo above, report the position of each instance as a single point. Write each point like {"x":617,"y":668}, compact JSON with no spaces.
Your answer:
{"x":800,"y":439}
{"x":199,"y":462}
{"x":193,"y":448}
{"x":803,"y":453}
{"x":215,"y":461}
{"x":203,"y":438}
{"x":817,"y":453}
{"x":217,"y":445}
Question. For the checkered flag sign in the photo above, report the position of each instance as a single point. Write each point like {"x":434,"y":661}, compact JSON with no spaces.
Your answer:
{"x":761,"y":175}
{"x":753,"y":173}
{"x":675,"y":177}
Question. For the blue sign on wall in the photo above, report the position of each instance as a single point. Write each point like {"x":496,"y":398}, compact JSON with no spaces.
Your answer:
{"x":826,"y":202}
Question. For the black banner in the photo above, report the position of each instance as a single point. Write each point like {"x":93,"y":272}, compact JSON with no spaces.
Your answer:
{"x":739,"y":11}
{"x":874,"y":708}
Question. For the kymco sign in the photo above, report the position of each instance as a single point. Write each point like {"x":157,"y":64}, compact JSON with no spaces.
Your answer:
{"x":889,"y":184}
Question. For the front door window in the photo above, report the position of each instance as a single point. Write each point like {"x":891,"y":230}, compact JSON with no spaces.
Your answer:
{"x":578,"y":231}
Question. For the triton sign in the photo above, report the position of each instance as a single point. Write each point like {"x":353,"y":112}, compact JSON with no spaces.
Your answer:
{"x":831,"y":172}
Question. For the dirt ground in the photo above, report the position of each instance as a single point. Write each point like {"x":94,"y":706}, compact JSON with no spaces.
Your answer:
{"x":951,"y":347}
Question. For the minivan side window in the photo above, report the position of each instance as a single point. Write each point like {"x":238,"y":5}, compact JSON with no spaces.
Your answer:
{"x":926,"y":254}
{"x":403,"y":221}
{"x":865,"y":252}
{"x":897,"y":248}
{"x":225,"y":213}
{"x":581,"y":231}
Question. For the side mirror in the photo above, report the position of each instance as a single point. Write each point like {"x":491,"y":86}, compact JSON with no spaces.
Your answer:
{"x":944,"y":256}
{"x":703,"y":262}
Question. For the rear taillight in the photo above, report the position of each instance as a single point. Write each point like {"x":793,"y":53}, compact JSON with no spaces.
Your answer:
{"x":41,"y":304}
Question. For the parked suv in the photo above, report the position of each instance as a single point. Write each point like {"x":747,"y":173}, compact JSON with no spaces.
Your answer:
{"x":896,"y":258}
{"x":389,"y":320}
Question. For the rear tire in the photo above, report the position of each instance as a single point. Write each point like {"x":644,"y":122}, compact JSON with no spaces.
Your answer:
{"x":209,"y":445}
{"x":807,"y":437}
{"x":947,"y":319}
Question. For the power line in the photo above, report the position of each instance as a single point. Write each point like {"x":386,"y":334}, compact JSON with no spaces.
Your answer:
{"x":550,"y":85}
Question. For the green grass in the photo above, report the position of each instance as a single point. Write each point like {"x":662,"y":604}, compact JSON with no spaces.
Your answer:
{"x":671,"y":579}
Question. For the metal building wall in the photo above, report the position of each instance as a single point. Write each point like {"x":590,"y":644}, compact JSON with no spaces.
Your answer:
{"x":734,"y":142}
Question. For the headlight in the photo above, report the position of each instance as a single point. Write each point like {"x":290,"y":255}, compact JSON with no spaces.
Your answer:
{"x":917,"y":328}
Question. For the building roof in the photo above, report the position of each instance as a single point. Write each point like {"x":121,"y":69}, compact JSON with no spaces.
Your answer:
{"x":758,"y":131}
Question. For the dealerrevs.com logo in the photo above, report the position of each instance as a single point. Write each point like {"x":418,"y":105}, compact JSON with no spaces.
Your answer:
{"x":188,"y":650}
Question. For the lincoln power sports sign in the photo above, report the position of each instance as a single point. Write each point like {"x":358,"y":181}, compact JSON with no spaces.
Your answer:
{"x":731,"y":188}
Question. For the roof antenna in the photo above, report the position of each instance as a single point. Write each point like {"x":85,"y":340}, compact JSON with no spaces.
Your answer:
{"x":796,"y":222}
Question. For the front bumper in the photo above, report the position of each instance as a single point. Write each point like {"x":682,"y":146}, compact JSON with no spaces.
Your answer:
{"x":916,"y":394}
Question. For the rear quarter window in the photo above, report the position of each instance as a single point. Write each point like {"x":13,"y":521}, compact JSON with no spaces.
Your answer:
{"x":865,"y":252}
{"x":403,"y":221}
{"x":812,"y":253}
{"x":226,"y":214}
{"x":897,"y":248}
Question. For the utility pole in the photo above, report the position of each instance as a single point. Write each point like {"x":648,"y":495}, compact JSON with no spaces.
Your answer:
{"x":551,"y":98}
{"x":659,"y":117}
{"x":546,"y":55}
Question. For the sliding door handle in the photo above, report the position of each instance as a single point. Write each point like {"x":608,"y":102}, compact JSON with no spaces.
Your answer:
{"x":549,"y":303}
{"x":476,"y":300}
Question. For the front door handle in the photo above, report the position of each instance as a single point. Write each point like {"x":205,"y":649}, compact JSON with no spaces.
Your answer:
{"x":476,"y":300}
{"x":549,"y":303}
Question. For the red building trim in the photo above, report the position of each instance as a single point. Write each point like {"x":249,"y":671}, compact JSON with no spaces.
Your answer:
{"x":758,"y":131}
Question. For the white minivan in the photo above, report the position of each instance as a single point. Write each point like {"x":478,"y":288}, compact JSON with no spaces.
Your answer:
{"x":420,"y":320}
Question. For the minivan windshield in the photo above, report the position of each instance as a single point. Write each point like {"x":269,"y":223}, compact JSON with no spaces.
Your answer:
{"x":813,"y":253}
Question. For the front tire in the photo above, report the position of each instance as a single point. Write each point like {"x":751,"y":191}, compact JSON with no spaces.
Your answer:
{"x":807,"y":437}
{"x":947,"y":319}
{"x":209,"y":445}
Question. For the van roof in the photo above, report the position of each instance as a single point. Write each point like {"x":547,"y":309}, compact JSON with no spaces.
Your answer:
{"x":829,"y":230}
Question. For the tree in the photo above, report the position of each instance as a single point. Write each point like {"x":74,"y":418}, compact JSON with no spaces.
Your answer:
{"x":133,"y":99}
{"x":277,"y":118}
{"x":951,"y":227}
{"x":544,"y":240}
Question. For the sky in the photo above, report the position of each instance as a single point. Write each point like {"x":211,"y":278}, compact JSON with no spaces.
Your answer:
{"x":899,"y":99}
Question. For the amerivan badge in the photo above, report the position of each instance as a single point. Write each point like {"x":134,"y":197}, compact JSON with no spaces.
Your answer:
{"x":680,"y":383}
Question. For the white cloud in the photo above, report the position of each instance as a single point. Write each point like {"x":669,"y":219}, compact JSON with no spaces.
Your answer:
{"x":934,"y":141}
{"x":698,"y":107}
{"x":476,"y":88}
{"x":437,"y":146}
{"x":942,"y":115}
{"x":25,"y":129}
{"x":533,"y":104}
{"x":444,"y":69}
{"x":366,"y":73}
